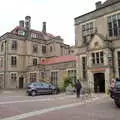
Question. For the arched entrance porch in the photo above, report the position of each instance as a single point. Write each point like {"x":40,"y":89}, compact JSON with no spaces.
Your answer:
{"x":99,"y":82}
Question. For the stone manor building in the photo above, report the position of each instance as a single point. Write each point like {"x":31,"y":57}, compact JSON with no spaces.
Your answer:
{"x":97,"y":39}
{"x":30,"y":55}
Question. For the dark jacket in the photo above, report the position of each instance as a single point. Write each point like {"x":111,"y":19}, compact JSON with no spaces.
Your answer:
{"x":78,"y":85}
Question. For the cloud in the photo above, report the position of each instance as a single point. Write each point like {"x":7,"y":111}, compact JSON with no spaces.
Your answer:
{"x":59,"y":15}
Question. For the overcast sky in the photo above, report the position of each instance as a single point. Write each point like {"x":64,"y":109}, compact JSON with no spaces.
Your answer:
{"x":59,"y":15}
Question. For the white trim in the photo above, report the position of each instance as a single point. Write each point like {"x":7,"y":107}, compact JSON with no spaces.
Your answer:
{"x":113,"y":13}
{"x":93,"y":20}
{"x":54,"y":70}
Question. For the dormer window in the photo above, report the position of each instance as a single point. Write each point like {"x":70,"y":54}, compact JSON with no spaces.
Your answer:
{"x":21,"y":32}
{"x":33,"y":35}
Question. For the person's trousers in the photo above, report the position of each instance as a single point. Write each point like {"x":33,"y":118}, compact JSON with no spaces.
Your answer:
{"x":78,"y":93}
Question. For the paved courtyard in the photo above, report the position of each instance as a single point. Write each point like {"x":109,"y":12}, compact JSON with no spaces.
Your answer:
{"x":17,"y":106}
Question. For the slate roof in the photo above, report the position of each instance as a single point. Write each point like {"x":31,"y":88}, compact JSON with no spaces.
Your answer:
{"x":41,"y":35}
{"x":109,"y":2}
{"x":59,"y":59}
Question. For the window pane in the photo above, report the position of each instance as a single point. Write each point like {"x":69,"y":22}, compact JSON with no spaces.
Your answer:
{"x":2,"y":46}
{"x":35,"y":61}
{"x":13,"y":60}
{"x":109,"y":19}
{"x":33,"y":77}
{"x":115,"y":28}
{"x":50,"y":48}
{"x":113,"y":17}
{"x":83,"y":27}
{"x":43,"y":49}
{"x":35,"y":48}
{"x":14,"y":45}
{"x":91,"y":25}
{"x":110,"y":29}
{"x":117,"y":84}
{"x":93,"y":58}
{"x":84,"y":39}
{"x":101,"y":57}
{"x":97,"y":57}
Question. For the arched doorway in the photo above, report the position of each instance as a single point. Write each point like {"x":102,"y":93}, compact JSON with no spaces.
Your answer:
{"x":21,"y":82}
{"x":99,"y":82}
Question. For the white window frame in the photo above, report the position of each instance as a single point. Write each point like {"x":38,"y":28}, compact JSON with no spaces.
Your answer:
{"x":1,"y":62}
{"x":33,"y":78}
{"x":12,"y":79}
{"x":11,"y":60}
{"x":21,"y":32}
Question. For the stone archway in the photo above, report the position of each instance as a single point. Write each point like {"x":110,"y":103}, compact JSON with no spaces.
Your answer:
{"x":99,"y":82}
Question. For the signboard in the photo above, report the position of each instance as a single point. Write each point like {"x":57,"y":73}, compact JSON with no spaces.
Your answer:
{"x":97,"y":69}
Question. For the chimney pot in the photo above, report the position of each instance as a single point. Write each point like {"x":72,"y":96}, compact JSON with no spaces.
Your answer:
{"x":98,"y":4}
{"x":28,"y":22}
{"x":44,"y":27}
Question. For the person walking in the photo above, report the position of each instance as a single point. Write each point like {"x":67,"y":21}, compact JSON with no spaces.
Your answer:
{"x":112,"y":84}
{"x":78,"y":88}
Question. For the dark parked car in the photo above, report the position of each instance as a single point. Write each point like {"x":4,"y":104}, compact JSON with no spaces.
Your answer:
{"x":115,"y":92}
{"x":38,"y":88}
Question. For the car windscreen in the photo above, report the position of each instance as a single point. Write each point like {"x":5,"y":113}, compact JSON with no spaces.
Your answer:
{"x":52,"y":86}
{"x":117,"y":84}
{"x":28,"y":84}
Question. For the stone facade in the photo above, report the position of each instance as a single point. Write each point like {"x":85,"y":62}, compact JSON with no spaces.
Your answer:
{"x":21,"y":51}
{"x":97,"y":40}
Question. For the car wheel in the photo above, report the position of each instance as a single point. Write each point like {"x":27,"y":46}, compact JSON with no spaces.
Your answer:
{"x":28,"y":94}
{"x":54,"y":92}
{"x":33,"y":93}
{"x":117,"y":103}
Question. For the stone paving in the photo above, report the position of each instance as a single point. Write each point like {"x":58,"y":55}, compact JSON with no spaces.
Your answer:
{"x":15,"y":103}
{"x":13,"y":92}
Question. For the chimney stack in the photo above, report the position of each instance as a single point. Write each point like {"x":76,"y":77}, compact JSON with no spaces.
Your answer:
{"x":44,"y":27}
{"x":21,"y":23}
{"x":28,"y":22}
{"x":98,"y":4}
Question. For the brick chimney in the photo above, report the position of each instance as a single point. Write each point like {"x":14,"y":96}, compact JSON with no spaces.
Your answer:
{"x":44,"y":27}
{"x":28,"y":22}
{"x":98,"y":4}
{"x":21,"y":23}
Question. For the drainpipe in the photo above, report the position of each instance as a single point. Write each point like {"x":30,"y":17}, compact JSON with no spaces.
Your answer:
{"x":112,"y":56}
{"x":113,"y":66}
{"x":5,"y":64}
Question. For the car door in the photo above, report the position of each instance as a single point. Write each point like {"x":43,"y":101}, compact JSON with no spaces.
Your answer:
{"x":41,"y":88}
{"x":50,"y":88}
{"x":37,"y":87}
{"x":46,"y":88}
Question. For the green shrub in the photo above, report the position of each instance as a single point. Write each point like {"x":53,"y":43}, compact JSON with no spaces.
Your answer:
{"x":67,"y":81}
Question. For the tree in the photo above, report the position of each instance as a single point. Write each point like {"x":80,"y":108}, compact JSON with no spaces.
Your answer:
{"x":67,"y":81}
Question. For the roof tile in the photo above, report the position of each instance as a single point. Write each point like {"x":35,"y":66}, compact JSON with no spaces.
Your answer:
{"x":59,"y":59}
